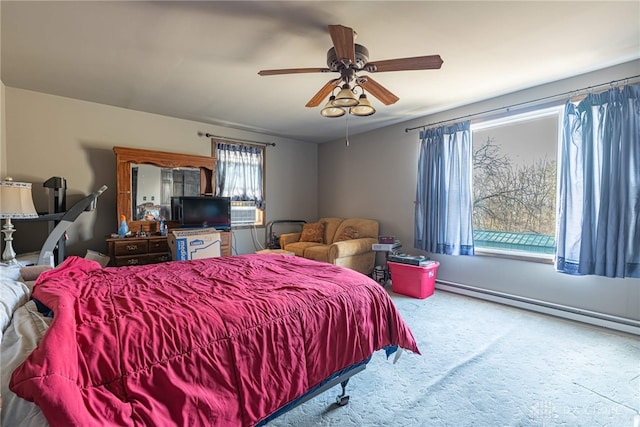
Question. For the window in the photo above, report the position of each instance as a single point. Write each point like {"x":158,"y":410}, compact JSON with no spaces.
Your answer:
{"x":597,"y":195}
{"x":514,"y":184}
{"x":240,"y":176}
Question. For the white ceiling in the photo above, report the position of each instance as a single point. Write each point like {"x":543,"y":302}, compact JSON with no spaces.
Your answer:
{"x":199,"y":60}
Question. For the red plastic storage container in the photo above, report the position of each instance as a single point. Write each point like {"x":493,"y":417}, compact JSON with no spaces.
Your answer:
{"x":412,"y":280}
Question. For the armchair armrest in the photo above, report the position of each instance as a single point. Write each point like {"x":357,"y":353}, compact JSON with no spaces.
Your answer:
{"x":351,"y":247}
{"x":287,"y":238}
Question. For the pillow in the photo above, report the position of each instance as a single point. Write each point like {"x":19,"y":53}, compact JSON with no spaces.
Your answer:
{"x":10,"y":271}
{"x":13,"y":294}
{"x":347,"y":233}
{"x":33,"y":271}
{"x":312,"y":232}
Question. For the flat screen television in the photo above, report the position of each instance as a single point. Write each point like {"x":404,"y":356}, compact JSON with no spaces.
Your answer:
{"x":202,"y":211}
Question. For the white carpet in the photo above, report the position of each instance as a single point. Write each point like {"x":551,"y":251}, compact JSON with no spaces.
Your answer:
{"x":488,"y":365}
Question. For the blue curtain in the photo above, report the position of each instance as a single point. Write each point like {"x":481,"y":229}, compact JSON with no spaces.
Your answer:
{"x":444,"y":203}
{"x":599,"y":201}
{"x":239,"y":172}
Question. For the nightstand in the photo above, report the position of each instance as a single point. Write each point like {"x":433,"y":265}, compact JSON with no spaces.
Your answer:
{"x":381,"y":273}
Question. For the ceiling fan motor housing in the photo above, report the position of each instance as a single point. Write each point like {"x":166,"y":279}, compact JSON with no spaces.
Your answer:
{"x":362,"y":57}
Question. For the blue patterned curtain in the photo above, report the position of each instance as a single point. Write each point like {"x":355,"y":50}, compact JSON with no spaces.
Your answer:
{"x":239,"y":172}
{"x":444,"y":203}
{"x":599,"y":203}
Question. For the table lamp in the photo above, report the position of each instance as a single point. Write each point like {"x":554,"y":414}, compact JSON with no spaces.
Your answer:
{"x":15,"y":203}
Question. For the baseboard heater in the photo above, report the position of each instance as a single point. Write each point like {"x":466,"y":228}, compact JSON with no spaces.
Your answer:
{"x":591,"y":317}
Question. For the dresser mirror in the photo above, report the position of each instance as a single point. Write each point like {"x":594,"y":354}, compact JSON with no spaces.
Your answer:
{"x":153,"y":186}
{"x":147,"y":179}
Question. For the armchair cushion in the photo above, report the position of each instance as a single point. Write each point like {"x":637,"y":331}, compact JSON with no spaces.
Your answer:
{"x":330,"y":227}
{"x":348,"y":233}
{"x":313,"y":232}
{"x":288,"y":238}
{"x":299,"y":248}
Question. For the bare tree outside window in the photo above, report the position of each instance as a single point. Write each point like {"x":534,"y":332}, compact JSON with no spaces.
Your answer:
{"x":508,"y":197}
{"x":514,"y":183}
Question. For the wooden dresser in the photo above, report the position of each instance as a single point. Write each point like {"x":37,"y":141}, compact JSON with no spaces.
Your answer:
{"x":225,"y":243}
{"x":150,"y":250}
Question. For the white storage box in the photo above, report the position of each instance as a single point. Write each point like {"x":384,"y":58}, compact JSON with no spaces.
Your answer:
{"x":194,"y":243}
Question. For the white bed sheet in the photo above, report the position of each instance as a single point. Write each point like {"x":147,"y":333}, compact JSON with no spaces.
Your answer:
{"x":13,"y":293}
{"x":21,"y":328}
{"x":19,"y":339}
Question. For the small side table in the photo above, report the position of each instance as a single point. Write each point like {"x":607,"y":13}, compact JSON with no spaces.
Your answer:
{"x":383,"y":276}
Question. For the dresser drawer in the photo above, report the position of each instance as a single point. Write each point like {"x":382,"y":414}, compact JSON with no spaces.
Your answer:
{"x":158,"y":257}
{"x":159,"y":245}
{"x":130,"y":247}
{"x":131,"y":260}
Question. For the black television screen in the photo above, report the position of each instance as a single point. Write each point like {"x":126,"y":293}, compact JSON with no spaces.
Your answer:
{"x":194,"y":211}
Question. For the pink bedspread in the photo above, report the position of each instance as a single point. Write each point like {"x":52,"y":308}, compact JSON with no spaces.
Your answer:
{"x":217,"y":342}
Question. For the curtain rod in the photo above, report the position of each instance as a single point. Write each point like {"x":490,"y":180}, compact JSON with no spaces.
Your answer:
{"x":247,"y":141}
{"x":545,"y":98}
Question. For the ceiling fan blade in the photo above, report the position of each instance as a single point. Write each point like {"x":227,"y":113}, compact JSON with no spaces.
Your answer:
{"x":377,"y":90}
{"x":342,"y":38}
{"x":431,"y":62}
{"x":293,"y":71}
{"x":323,"y":93}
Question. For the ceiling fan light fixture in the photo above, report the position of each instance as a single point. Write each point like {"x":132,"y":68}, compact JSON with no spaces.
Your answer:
{"x":346,"y":97}
{"x":331,"y":110}
{"x":364,"y":107}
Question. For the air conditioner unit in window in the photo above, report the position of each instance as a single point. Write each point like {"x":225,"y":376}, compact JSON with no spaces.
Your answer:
{"x":243,"y":213}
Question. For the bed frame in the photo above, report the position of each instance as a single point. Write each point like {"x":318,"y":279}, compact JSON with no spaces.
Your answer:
{"x":341,"y":377}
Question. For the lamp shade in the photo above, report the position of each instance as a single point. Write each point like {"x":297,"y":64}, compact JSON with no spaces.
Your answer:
{"x":330,"y":110}
{"x":345,"y":98}
{"x":364,"y":107}
{"x":16,"y":201}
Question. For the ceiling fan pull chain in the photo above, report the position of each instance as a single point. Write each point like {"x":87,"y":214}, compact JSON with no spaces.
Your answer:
{"x":347,"y":134}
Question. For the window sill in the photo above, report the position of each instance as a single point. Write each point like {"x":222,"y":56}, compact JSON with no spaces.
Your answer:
{"x":516,"y":255}
{"x":246,"y":226}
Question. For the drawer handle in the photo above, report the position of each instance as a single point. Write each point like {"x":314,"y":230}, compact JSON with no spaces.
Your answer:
{"x":163,"y":258}
{"x":132,"y":261}
{"x":132,"y":247}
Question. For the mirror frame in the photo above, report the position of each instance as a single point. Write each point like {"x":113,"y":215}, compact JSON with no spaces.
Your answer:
{"x":126,"y":157}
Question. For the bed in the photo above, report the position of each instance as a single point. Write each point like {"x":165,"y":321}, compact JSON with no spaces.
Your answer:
{"x":229,"y":341}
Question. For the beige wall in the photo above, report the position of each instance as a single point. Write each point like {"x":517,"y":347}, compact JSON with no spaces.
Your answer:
{"x":3,"y":145}
{"x":375,"y":177}
{"x":3,"y":154}
{"x":54,"y":136}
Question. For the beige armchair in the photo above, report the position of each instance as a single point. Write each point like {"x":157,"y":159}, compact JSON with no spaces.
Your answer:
{"x":344,"y":242}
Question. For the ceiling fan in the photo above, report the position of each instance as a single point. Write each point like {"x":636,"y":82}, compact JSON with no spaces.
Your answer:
{"x":350,"y":59}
